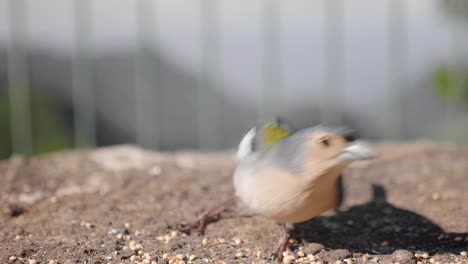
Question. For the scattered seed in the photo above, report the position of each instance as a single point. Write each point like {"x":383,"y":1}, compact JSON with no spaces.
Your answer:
{"x":464,"y":253}
{"x":12,"y":258}
{"x":338,"y":262}
{"x":119,"y":236}
{"x":140,"y":252}
{"x":237,"y":241}
{"x":258,"y":254}
{"x":458,"y":239}
{"x":181,"y":262}
{"x":425,"y":255}
{"x":192,"y":257}
{"x":32,"y":261}
{"x":127,"y":225}
{"x":52,"y":261}
{"x":384,"y":244}
{"x":204,"y":242}
{"x":440,"y":237}
{"x":239,"y":254}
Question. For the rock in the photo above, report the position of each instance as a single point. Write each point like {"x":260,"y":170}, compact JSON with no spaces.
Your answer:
{"x":334,"y":255}
{"x":313,"y":248}
{"x":403,"y":257}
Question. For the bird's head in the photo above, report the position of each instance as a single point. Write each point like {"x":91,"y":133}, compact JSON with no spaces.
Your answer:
{"x":334,"y":146}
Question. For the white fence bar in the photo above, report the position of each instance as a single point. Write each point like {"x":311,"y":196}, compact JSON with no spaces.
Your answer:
{"x":397,"y":83}
{"x":210,"y":105}
{"x":83,"y":76}
{"x":333,"y":85}
{"x":18,"y":79}
{"x":271,"y":86}
{"x":146,"y":126}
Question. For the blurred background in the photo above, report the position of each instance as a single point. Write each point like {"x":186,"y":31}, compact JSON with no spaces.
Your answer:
{"x":175,"y":74}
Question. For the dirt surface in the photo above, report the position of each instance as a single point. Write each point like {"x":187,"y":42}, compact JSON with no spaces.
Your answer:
{"x":106,"y":205}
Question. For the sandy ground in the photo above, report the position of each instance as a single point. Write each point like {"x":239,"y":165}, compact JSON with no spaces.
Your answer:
{"x":106,"y":205}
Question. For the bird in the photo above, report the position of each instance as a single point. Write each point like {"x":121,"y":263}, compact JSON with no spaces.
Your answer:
{"x":293,"y":179}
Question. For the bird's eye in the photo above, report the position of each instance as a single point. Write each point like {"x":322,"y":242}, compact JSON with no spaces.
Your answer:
{"x":325,"y":141}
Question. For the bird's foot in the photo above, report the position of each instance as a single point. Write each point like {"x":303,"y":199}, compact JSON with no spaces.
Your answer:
{"x":282,"y":245}
{"x":198,"y":224}
{"x":203,"y":220}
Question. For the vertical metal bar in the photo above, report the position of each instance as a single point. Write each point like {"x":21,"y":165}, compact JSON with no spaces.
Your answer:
{"x":83,"y":76}
{"x":18,"y":79}
{"x":333,"y":89}
{"x":209,"y":134}
{"x":271,"y":87}
{"x":397,"y":68}
{"x":145,"y":78}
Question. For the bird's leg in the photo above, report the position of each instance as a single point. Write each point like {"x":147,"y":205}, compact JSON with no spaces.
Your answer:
{"x":283,"y":241}
{"x":204,"y":219}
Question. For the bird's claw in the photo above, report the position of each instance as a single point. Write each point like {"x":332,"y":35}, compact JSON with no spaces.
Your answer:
{"x":198,"y":224}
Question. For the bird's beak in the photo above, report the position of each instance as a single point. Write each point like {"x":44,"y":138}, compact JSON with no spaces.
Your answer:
{"x":357,"y":150}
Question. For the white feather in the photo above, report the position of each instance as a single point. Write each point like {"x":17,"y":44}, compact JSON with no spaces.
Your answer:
{"x":245,"y":147}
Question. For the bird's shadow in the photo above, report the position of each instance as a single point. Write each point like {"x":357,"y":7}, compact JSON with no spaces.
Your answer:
{"x":378,"y":227}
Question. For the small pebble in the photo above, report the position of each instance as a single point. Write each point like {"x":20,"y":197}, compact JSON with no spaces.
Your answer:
{"x":435,"y":196}
{"x":432,"y":260}
{"x":127,"y":225}
{"x":239,"y":254}
{"x":417,"y":255}
{"x":300,"y":253}
{"x":458,"y":239}
{"x":180,"y":256}
{"x":119,"y":236}
{"x":32,"y":261}
{"x":52,"y":261}
{"x":181,"y":262}
{"x":12,"y":258}
{"x":237,"y":241}
{"x":464,"y":253}
{"x":338,"y":262}
{"x":384,"y":244}
{"x":204,"y":242}
{"x":165,"y":255}
{"x":425,"y":255}
{"x":192,"y":257}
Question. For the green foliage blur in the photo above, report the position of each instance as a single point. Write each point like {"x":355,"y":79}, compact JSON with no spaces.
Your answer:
{"x":49,"y":128}
{"x":451,"y":84}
